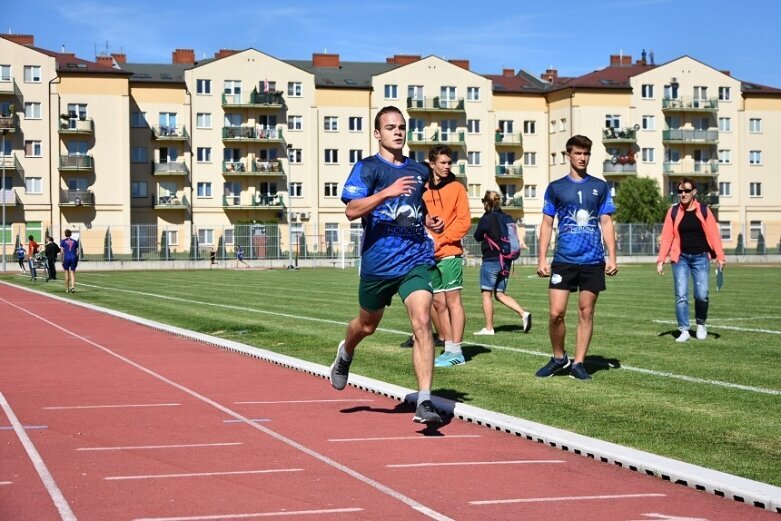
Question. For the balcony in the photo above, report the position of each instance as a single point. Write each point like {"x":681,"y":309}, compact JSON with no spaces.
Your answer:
{"x":77,"y":198}
{"x":690,"y":104}
{"x":77,"y":126}
{"x":170,"y":202}
{"x":454,"y":138}
{"x":8,"y":197}
{"x":173,"y":168}
{"x":509,"y":172}
{"x":10,"y":88}
{"x":8,"y":123}
{"x":256,"y":168}
{"x":514,"y":202}
{"x":245,"y":134}
{"x":680,"y":135}
{"x":618,"y":168}
{"x":76,"y":163}
{"x":691,"y":168}
{"x":435,"y":104}
{"x":513,"y":140}
{"x":166,"y":133}
{"x":250,"y":201}
{"x":459,"y":169}
{"x":255,"y":100}
{"x":10,"y":164}
{"x":619,"y":136}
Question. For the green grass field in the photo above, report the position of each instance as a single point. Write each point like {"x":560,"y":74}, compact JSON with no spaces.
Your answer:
{"x":715,"y":403}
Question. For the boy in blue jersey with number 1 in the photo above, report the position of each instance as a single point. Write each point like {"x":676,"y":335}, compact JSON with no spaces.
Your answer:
{"x":70,"y":258}
{"x":386,"y":192}
{"x":583,"y":206}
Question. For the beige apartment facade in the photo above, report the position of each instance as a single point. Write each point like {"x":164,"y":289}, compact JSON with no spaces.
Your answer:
{"x":185,"y":152}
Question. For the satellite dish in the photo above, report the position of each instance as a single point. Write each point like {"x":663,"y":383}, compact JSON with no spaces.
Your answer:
{"x":614,"y":160}
{"x":636,"y":127}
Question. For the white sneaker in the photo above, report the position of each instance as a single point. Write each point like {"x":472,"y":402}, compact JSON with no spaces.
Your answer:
{"x":485,"y":331}
{"x":526,"y":321}
{"x":684,"y":336}
{"x":702,"y":332}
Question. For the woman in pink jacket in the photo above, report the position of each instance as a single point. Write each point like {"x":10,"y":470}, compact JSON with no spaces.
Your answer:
{"x":691,"y":238}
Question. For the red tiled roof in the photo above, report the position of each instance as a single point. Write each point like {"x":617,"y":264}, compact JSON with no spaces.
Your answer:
{"x":68,"y":62}
{"x":613,"y":77}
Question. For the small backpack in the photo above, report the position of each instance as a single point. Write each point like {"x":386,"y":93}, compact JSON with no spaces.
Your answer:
{"x":509,"y":246}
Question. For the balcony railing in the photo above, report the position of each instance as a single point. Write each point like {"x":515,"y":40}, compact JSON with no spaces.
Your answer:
{"x":77,"y":126}
{"x":8,"y":123}
{"x":689,"y":103}
{"x":170,"y":168}
{"x":693,"y":168}
{"x":166,"y":133}
{"x":690,"y":135}
{"x":514,"y":139}
{"x":10,"y":163}
{"x":78,"y":163}
{"x":77,"y":198}
{"x":608,"y":167}
{"x":7,"y":87}
{"x":170,"y":202}
{"x":513,"y":202}
{"x":245,"y":201}
{"x":619,"y":135}
{"x":515,"y":171}
{"x":8,"y":197}
{"x":257,"y":134}
{"x":272,"y":100}
{"x":450,"y":137}
{"x":459,"y":169}
{"x":435,"y":104}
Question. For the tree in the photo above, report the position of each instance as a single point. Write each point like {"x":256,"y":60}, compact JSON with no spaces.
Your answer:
{"x":740,"y":249}
{"x":761,"y":244}
{"x":638,"y":201}
{"x":107,"y":247}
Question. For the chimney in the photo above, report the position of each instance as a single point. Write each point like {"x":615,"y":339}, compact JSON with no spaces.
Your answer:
{"x":222,"y":53}
{"x":728,"y":73}
{"x":508,"y":73}
{"x":550,"y":75}
{"x":69,"y":54}
{"x":464,"y":64}
{"x":403,"y":59}
{"x":119,"y":57}
{"x":183,"y":56}
{"x":615,"y":60}
{"x":105,"y":60}
{"x":330,"y":61}
{"x":21,"y":39}
{"x":626,"y":60}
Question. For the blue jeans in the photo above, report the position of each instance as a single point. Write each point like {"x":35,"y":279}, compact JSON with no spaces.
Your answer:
{"x":698,"y":266}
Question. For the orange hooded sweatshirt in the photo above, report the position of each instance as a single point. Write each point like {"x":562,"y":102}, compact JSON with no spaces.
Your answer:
{"x":670,"y":243}
{"x":449,"y":201}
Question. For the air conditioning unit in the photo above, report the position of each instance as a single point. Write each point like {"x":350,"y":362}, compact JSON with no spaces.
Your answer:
{"x":305,"y":215}
{"x":292,"y":216}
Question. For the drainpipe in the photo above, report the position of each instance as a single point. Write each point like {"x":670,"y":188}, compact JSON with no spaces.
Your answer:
{"x":52,"y":148}
{"x":190,"y":180}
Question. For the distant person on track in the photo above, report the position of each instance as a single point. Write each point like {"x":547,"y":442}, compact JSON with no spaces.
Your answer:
{"x":32,"y":250}
{"x":240,"y":257}
{"x":690,"y":238}
{"x":51,"y":251}
{"x":385,"y":191}
{"x":20,"y":258}
{"x":70,"y":258}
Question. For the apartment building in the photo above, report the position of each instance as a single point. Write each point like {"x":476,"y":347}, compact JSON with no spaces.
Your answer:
{"x":188,"y":151}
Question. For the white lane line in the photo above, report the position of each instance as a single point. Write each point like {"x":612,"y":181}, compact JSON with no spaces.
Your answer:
{"x":66,"y":514}
{"x":731,"y":328}
{"x":144,"y":447}
{"x":305,"y":401}
{"x":6,"y":482}
{"x":255,"y":515}
{"x":384,"y":489}
{"x":119,"y":406}
{"x":565,"y":498}
{"x":200,"y":474}
{"x":470,"y":463}
{"x":27,"y":427}
{"x":418,"y":438}
{"x":251,"y":419}
{"x":650,"y":372}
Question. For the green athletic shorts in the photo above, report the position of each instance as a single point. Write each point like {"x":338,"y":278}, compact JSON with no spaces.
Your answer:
{"x":375,"y":294}
{"x":448,"y":274}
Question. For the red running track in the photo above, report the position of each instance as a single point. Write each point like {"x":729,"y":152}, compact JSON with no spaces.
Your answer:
{"x":104,"y":419}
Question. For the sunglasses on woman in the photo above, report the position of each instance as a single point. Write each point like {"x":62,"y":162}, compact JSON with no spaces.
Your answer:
{"x":685,"y":190}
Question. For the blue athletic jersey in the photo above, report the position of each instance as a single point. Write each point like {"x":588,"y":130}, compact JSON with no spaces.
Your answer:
{"x":394,"y":239}
{"x":578,"y":206}
{"x":70,"y":248}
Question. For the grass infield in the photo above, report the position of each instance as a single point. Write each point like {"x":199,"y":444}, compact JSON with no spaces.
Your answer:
{"x":715,"y":403}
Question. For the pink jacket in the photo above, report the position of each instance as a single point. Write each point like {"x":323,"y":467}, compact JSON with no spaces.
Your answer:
{"x":670,"y":243}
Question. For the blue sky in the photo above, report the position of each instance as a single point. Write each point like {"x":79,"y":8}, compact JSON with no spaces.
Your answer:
{"x":574,"y":37}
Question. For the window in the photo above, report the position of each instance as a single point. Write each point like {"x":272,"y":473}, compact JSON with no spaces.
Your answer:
{"x":232,"y":91}
{"x":268,"y":188}
{"x":32,"y":110}
{"x":331,"y":233}
{"x":167,"y":119}
{"x":755,"y":229}
{"x":391,"y":91}
{"x":473,"y":158}
{"x":139,"y":155}
{"x":204,"y":189}
{"x":138,"y":119}
{"x":648,"y":122}
{"x":205,"y":236}
{"x":294,"y":155}
{"x":296,"y":190}
{"x":331,"y":156}
{"x":473,"y":93}
{"x":331,"y":123}
{"x":725,"y":189}
{"x":79,"y":184}
{"x":33,"y":185}
{"x":415,"y":92}
{"x":699,"y":93}
{"x":725,"y":229}
{"x":294,"y":89}
{"x":553,"y":158}
{"x":355,"y":156}
{"x":530,"y":191}
{"x":473,"y":126}
{"x":505,"y":126}
{"x":755,"y":157}
{"x":612,"y":121}
{"x":563,"y":157}
{"x":563,"y":125}
{"x":33,"y":149}
{"x":76,"y":111}
{"x":755,"y":125}
{"x":331,"y":190}
{"x":648,"y":155}
{"x":529,"y":127}
{"x":172,"y":236}
{"x":139,"y":189}
{"x":446,"y":94}
{"x":725,"y":125}
{"x":724,"y":94}
{"x":203,"y":154}
{"x":725,"y":156}
{"x":418,"y":155}
{"x":671,"y":91}
{"x":755,"y":189}
{"x":530,"y":158}
{"x":228,"y":236}
{"x":355,"y":124}
{"x":267,"y":154}
{"x":32,"y":74}
{"x":5,"y":73}
{"x":203,"y":86}
{"x":647,"y":91}
{"x":203,"y":120}
{"x":475,"y":190}
{"x":295,"y":123}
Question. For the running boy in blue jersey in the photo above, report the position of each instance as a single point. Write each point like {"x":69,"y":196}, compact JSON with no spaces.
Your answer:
{"x":583,"y":205}
{"x":70,"y":258}
{"x":386,"y":192}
